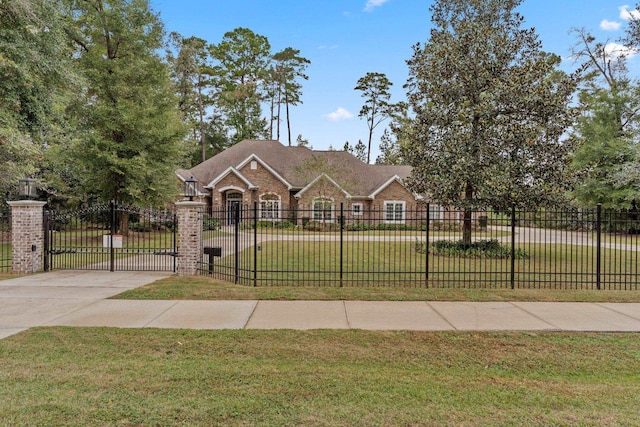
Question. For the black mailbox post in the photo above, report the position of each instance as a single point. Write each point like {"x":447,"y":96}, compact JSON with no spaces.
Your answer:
{"x":215,"y":251}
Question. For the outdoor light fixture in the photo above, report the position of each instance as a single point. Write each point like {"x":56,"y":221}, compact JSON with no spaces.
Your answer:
{"x":190,"y":188}
{"x":27,"y":188}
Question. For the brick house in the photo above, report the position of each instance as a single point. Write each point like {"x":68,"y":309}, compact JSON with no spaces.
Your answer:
{"x":297,"y":183}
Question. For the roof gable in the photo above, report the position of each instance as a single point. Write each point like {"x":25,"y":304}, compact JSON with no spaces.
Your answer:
{"x":312,"y":184}
{"x":230,"y":171}
{"x":267,"y":167}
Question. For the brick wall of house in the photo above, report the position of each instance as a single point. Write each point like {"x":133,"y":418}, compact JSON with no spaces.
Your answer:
{"x":323,"y":188}
{"x":265,"y":181}
{"x":395,"y":192}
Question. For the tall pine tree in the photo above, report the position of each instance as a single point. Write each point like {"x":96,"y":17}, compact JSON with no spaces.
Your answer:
{"x":134,"y":131}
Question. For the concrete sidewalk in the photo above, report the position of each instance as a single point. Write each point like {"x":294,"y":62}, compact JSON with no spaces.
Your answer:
{"x":74,"y":298}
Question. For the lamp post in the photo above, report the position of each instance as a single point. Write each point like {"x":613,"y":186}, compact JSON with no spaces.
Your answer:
{"x":190,"y":188}
{"x":27,"y":188}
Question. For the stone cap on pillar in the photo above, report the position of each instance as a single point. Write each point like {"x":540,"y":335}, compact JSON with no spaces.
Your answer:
{"x":188,"y":203}
{"x":26,"y":203}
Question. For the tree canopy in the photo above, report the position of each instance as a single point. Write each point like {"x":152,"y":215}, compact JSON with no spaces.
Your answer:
{"x":607,"y":157}
{"x":490,"y":110}
{"x":132,"y":143}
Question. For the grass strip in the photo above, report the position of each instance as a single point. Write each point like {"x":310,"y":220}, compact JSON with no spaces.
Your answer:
{"x":102,"y":376}
{"x":204,"y":288}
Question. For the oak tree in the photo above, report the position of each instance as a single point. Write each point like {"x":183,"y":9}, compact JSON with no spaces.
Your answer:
{"x":133,"y":130}
{"x":490,"y":111}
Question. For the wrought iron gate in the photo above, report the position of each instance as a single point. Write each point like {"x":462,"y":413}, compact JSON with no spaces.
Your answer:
{"x":5,"y":240}
{"x":111,"y":237}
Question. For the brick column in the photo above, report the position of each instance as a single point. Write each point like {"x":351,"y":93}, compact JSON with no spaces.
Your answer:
{"x":27,"y":233}
{"x":189,"y":237}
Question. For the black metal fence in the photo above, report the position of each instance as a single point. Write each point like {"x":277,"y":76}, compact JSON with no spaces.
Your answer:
{"x":5,"y":240}
{"x":111,"y":237}
{"x":427,"y":247}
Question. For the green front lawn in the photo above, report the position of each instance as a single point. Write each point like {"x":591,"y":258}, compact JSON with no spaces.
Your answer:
{"x":317,"y":263}
{"x":204,"y":288}
{"x":102,"y":376}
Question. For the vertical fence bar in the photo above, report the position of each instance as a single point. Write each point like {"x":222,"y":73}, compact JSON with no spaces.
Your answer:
{"x":598,"y":245}
{"x":112,"y":207}
{"x":236,"y":242}
{"x":255,"y":244}
{"x":426,"y":246}
{"x":341,"y":242}
{"x":513,"y":245}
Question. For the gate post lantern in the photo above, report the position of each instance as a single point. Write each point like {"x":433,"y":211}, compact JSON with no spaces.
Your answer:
{"x":27,"y":188}
{"x":27,"y":230}
{"x":190,"y":188}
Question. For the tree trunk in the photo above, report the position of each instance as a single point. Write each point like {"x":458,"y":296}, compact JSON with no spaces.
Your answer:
{"x":286,"y":103}
{"x":467,"y":217}
{"x":201,"y":117}
{"x":466,"y":227}
{"x":123,"y":223}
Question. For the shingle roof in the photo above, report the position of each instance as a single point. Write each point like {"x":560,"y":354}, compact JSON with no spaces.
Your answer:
{"x":300,"y":165}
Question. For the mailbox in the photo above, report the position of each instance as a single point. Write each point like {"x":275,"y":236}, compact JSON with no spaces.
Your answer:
{"x":215,"y":251}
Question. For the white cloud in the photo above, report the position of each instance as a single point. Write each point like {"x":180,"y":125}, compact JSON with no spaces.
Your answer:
{"x":372,"y":4}
{"x":627,"y":14}
{"x":339,"y":114}
{"x":610,"y":25}
{"x":617,"y":50}
{"x":327,"y":47}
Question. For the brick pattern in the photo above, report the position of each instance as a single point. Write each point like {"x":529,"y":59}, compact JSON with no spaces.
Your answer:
{"x":189,"y":237}
{"x":27,"y":235}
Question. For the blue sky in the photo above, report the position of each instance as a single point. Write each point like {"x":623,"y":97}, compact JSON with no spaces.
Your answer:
{"x":345,"y":39}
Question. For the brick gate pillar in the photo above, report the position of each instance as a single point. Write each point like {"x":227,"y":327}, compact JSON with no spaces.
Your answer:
{"x":189,"y":237}
{"x":27,"y":234}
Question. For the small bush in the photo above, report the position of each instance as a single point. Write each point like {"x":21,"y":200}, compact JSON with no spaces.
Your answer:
{"x":209,"y":223}
{"x":477,"y":249}
{"x":141,"y":227}
{"x":279,"y":225}
{"x":322,"y":226}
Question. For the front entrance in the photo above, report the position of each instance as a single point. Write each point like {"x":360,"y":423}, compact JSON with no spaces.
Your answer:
{"x":234,"y":208}
{"x":111,"y":237}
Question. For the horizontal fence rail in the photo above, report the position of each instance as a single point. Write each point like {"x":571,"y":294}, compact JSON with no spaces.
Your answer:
{"x":430,"y":247}
{"x":111,"y":237}
{"x":5,"y":241}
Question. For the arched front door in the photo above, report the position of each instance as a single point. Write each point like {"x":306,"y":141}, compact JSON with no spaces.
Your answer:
{"x":234,"y":207}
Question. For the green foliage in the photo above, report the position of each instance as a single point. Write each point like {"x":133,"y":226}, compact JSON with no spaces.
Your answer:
{"x":288,"y":67}
{"x":478,"y":249}
{"x":190,"y":63}
{"x":242,"y":63}
{"x":35,"y":78}
{"x":607,"y":159}
{"x":490,"y":110}
{"x":210,"y":223}
{"x":377,"y":107}
{"x":132,"y":143}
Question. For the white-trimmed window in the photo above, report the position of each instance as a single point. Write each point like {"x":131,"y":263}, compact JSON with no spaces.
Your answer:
{"x":394,"y":212}
{"x":435,"y":212}
{"x":269,"y":207}
{"x":356,"y":209}
{"x":323,"y":210}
